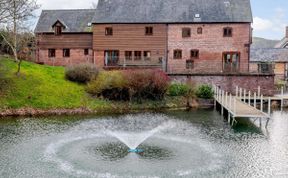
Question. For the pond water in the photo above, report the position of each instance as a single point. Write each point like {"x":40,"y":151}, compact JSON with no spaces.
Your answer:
{"x":176,"y":144}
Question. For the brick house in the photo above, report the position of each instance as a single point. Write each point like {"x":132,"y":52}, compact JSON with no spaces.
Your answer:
{"x":178,"y":36}
{"x":207,"y":41}
{"x":183,"y":36}
{"x":64,"y":37}
{"x":271,"y":59}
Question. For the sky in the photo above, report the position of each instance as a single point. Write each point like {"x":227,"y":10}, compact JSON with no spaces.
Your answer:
{"x":270,"y":17}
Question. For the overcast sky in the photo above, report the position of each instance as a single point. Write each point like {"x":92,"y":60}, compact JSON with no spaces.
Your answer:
{"x":270,"y":16}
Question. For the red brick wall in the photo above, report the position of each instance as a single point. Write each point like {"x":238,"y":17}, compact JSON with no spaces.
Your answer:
{"x":76,"y":57}
{"x":99,"y":58}
{"x":229,"y":82}
{"x":211,"y":45}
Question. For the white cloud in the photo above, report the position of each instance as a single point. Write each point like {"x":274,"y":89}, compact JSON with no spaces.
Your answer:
{"x":66,"y":4}
{"x":260,"y":24}
{"x":273,"y":26}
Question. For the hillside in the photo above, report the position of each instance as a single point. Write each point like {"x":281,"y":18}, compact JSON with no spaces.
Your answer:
{"x":42,"y":89}
{"x":263,"y":43}
{"x":40,"y":86}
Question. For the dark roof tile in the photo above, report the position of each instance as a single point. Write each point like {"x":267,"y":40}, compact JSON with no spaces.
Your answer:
{"x":172,"y":11}
{"x":74,"y":20}
{"x":269,"y":55}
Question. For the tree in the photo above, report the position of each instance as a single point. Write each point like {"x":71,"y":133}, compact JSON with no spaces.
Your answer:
{"x":19,"y":12}
{"x":3,"y":10}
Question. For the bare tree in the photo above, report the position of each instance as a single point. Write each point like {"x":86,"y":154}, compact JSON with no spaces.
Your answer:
{"x":4,"y":15}
{"x":19,"y":11}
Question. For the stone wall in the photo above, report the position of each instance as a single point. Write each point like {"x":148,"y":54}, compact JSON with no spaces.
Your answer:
{"x":228,"y":82}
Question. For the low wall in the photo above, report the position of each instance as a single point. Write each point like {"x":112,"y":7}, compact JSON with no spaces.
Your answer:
{"x":228,"y":82}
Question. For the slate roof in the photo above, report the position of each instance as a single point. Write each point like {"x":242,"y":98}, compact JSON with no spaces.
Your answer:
{"x":269,"y":55}
{"x":74,"y":20}
{"x":172,"y":11}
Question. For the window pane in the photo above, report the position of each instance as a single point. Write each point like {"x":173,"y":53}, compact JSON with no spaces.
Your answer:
{"x":137,"y":55}
{"x":51,"y":53}
{"x":194,"y":53}
{"x":189,"y":64}
{"x":109,"y":31}
{"x":147,"y":55}
{"x":186,"y":32}
{"x":128,"y":55}
{"x":199,"y":30}
{"x":149,"y":30}
{"x":227,"y":32}
{"x":86,"y":52}
{"x":177,"y":54}
{"x":66,"y":52}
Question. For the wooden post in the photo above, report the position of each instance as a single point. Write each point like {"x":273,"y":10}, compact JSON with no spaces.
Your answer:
{"x":255,"y":106}
{"x":249,"y":98}
{"x":236,"y":94}
{"x":222,"y":100}
{"x":240,"y":94}
{"x":230,"y":101}
{"x":234,"y":107}
{"x":229,"y":117}
{"x":261,"y":107}
{"x":226,"y":98}
{"x":282,"y":98}
{"x":269,"y":106}
{"x":259,"y":91}
{"x":244,"y":96}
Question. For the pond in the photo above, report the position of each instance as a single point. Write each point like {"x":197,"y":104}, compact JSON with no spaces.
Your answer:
{"x":197,"y":143}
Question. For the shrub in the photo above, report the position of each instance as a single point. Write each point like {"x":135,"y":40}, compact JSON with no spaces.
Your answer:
{"x":205,"y":92}
{"x":81,"y":73}
{"x":109,"y":84}
{"x":178,"y":89}
{"x":130,"y":84}
{"x":147,"y":84}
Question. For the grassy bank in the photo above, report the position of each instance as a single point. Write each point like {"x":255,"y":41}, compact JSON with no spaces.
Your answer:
{"x":45,"y":87}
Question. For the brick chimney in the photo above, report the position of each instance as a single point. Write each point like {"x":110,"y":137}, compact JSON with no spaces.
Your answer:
{"x":286,"y":32}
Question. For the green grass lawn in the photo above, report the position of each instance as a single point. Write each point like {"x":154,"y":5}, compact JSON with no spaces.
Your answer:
{"x":41,"y":86}
{"x":45,"y":87}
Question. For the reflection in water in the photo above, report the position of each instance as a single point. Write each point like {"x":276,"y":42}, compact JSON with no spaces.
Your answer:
{"x":116,"y":151}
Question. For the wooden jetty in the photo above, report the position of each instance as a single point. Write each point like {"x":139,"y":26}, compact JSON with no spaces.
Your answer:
{"x":237,"y":107}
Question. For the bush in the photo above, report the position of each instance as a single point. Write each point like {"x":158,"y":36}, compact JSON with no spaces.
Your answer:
{"x":178,"y":89}
{"x":205,"y":92}
{"x":81,"y":73}
{"x":109,"y":84}
{"x":130,"y":84}
{"x":146,"y":84}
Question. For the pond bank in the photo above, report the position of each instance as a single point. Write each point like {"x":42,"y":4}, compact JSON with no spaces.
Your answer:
{"x":118,"y":108}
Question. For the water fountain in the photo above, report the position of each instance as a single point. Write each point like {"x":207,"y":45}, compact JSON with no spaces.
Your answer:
{"x":127,"y":146}
{"x":133,"y":140}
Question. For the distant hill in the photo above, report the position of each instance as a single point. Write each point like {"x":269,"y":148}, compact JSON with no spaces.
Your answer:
{"x":263,"y":43}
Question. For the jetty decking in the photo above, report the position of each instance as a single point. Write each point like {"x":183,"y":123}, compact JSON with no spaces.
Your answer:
{"x":237,"y":107}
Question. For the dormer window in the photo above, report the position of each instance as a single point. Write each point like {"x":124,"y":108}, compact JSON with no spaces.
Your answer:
{"x":58,"y":27}
{"x":58,"y":30}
